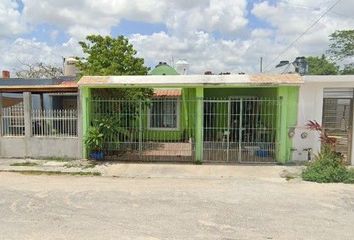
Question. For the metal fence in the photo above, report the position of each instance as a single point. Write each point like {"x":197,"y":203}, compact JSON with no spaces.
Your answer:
{"x":13,"y":121}
{"x":164,"y":129}
{"x":54,"y":123}
{"x":154,"y":130}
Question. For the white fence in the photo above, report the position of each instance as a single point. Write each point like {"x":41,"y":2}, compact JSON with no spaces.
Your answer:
{"x":54,"y":123}
{"x":13,"y":121}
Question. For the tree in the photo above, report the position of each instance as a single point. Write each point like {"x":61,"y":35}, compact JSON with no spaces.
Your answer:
{"x":348,"y":69}
{"x":39,"y":70}
{"x":341,"y":44}
{"x":321,"y":66}
{"x":112,"y":56}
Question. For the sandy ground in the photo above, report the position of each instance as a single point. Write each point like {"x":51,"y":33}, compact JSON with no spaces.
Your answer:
{"x":67,"y":207}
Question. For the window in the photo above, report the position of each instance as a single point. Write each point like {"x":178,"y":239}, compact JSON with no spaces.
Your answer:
{"x":164,"y":113}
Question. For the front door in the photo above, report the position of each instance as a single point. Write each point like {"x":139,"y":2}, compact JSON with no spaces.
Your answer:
{"x":337,"y":122}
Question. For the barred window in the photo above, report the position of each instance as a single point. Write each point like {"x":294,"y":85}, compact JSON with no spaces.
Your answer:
{"x":164,"y":113}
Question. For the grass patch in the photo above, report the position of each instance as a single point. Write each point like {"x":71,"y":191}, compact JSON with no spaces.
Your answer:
{"x":24,"y":164}
{"x":55,"y":173}
{"x":80,"y":165}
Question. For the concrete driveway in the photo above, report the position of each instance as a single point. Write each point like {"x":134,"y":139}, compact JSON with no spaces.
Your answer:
{"x":67,"y":207}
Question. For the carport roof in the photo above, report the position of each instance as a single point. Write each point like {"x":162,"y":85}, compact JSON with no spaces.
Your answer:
{"x":190,"y":80}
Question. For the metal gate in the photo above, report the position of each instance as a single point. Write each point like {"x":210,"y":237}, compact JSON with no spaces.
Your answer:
{"x":337,"y":122}
{"x":240,"y":130}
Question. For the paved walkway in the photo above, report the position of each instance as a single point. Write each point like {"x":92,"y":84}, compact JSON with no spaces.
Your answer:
{"x":149,"y":170}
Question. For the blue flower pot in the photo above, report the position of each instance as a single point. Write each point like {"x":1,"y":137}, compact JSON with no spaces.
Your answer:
{"x":262,"y":153}
{"x":97,"y":155}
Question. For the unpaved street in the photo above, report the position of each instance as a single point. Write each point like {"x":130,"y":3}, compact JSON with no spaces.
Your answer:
{"x":66,"y":207}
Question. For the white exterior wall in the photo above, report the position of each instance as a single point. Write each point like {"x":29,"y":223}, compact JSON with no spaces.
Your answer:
{"x":310,"y":108}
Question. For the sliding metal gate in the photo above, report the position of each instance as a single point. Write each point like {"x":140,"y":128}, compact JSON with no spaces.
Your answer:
{"x":240,"y":130}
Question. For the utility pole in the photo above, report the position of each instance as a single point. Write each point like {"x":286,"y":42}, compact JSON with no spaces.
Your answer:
{"x":261,"y":65}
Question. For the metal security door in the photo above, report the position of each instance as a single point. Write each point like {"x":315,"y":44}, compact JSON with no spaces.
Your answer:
{"x":337,"y":122}
{"x":240,"y":130}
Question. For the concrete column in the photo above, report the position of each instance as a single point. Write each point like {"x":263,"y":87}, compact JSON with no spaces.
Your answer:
{"x":27,"y":107}
{"x":85,"y":97}
{"x":79,"y":127}
{"x":199,"y":124}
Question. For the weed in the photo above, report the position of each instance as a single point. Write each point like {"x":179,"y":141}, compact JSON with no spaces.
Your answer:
{"x":24,"y":164}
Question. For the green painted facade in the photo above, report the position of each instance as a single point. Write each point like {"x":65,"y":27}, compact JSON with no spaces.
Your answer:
{"x":191,"y":115}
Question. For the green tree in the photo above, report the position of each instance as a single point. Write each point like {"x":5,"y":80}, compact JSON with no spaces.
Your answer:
{"x":341,"y":44}
{"x":348,"y":69}
{"x":105,"y":56}
{"x":321,"y":66}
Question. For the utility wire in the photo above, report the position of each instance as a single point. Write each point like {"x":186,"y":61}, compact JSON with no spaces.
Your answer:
{"x":302,"y":34}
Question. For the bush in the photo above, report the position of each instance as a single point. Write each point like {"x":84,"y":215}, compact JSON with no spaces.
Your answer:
{"x":328,"y":167}
{"x":350,"y":176}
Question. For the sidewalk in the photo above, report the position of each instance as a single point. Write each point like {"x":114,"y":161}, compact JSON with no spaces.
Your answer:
{"x":147,"y":170}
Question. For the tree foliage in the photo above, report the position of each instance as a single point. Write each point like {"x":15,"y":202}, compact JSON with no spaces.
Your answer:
{"x":39,"y":70}
{"x":348,"y":69}
{"x":321,"y":66}
{"x":112,"y":56}
{"x":341,"y":44}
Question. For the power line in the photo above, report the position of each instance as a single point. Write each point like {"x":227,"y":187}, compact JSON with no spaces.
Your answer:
{"x":302,"y":34}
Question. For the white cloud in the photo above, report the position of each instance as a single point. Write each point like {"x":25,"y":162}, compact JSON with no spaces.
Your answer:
{"x":190,"y":29}
{"x":31,"y":51}
{"x":11,"y":22}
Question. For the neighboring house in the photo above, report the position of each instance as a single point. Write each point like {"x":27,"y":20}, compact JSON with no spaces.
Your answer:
{"x":329,"y":101}
{"x":39,"y":118}
{"x":215,"y":118}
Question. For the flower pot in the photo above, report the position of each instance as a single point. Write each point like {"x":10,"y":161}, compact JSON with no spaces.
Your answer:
{"x":97,"y":155}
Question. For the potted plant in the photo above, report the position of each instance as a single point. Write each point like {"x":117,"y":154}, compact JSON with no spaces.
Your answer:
{"x":94,"y":142}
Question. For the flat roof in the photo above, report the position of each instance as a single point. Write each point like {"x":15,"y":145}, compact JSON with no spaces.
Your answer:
{"x":329,"y":78}
{"x":190,"y":80}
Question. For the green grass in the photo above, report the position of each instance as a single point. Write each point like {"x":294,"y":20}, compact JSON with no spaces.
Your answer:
{"x":55,"y":173}
{"x":80,"y":165}
{"x":24,"y":164}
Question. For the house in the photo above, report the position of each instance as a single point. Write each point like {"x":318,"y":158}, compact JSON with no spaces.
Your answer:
{"x":211,"y":118}
{"x":39,"y":118}
{"x":329,"y":101}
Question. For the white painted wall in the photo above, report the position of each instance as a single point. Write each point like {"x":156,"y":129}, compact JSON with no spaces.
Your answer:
{"x":310,"y":108}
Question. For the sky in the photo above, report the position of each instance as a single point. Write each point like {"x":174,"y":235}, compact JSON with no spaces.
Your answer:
{"x":212,"y":35}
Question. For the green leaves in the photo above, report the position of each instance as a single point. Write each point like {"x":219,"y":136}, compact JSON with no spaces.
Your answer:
{"x":321,"y":66}
{"x":94,"y":139}
{"x":341,"y":44}
{"x":110,"y":56}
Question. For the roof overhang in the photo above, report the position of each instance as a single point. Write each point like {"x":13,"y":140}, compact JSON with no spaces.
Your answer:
{"x":38,"y":89}
{"x":180,"y":81}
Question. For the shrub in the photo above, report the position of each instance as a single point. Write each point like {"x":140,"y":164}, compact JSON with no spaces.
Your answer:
{"x":350,"y":176}
{"x":327,"y":167}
